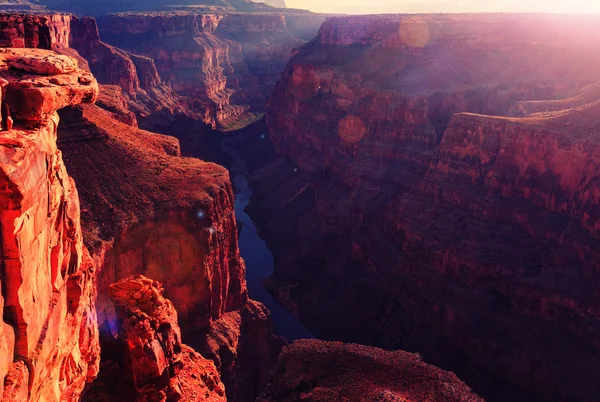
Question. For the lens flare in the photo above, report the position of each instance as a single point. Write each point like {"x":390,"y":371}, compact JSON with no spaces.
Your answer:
{"x":351,"y":129}
{"x":414,"y":32}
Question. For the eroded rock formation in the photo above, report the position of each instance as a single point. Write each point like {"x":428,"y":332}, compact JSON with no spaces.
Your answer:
{"x":149,"y":362}
{"x":397,"y":221}
{"x":48,"y":334}
{"x":224,"y":65}
{"x":142,"y":88}
{"x":244,"y":346}
{"x":148,"y":210}
{"x":332,"y":371}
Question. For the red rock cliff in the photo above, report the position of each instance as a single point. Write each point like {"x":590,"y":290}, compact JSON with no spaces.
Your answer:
{"x":48,"y":334}
{"x":137,"y":76}
{"x":225,"y":65}
{"x":150,"y":363}
{"x":148,"y":210}
{"x":401,"y":223}
{"x":159,"y":214}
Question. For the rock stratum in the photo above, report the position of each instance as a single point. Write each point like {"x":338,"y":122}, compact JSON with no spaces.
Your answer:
{"x":434,"y":188}
{"x":223,"y":65}
{"x":70,"y":315}
{"x":48,"y":330}
{"x":148,"y":361}
{"x":321,"y":371}
{"x":145,"y":209}
{"x":176,"y":68}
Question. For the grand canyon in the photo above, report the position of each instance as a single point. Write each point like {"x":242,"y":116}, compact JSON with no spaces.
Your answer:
{"x":238,"y":201}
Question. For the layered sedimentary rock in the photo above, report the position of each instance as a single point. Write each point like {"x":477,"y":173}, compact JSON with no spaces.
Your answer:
{"x":216,"y":69}
{"x":136,"y":75}
{"x":48,"y":333}
{"x":244,"y":346}
{"x":102,"y":7}
{"x":37,"y":31}
{"x":147,"y":210}
{"x":397,"y":221}
{"x":332,"y":371}
{"x":224,"y":65}
{"x":149,"y":361}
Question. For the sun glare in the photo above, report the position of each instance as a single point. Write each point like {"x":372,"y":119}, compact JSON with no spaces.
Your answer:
{"x":458,"y":6}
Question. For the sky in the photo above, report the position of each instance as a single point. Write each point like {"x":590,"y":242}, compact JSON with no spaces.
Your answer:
{"x":400,"y":6}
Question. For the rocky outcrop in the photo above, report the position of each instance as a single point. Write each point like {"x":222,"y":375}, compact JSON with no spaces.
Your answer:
{"x":332,"y":371}
{"x":244,"y":346}
{"x":147,"y":210}
{"x":400,"y":222}
{"x":149,"y":360}
{"x":48,"y":329}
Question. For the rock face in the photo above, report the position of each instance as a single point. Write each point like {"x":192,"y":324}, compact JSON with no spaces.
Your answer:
{"x":224,"y":65}
{"x":48,"y":333}
{"x":244,"y":346}
{"x":146,"y":210}
{"x":332,"y":371}
{"x":398,"y":221}
{"x":151,"y":361}
{"x":34,"y":31}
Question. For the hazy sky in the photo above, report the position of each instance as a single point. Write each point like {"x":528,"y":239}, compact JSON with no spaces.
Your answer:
{"x":398,"y":6}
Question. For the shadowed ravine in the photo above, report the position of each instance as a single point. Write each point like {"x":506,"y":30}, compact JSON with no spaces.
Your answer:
{"x":258,"y":257}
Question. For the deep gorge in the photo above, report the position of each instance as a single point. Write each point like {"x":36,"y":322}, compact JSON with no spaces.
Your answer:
{"x":420,"y":184}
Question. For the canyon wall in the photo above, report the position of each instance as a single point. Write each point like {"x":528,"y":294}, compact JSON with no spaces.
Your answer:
{"x":147,"y":210}
{"x":223,"y":65}
{"x":398,"y":221}
{"x":216,"y":70}
{"x":147,"y":360}
{"x":48,"y":329}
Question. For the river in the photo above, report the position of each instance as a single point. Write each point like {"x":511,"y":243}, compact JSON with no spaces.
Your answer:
{"x":258,"y":257}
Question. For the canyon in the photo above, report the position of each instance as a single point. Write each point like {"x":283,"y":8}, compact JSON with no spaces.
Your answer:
{"x":147,"y":210}
{"x":80,"y":322}
{"x":430,"y":186}
{"x":425,"y":183}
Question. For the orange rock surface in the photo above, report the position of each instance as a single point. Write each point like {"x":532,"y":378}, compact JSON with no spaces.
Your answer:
{"x":147,"y":210}
{"x":48,"y":330}
{"x":153,"y":363}
{"x":321,"y":371}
